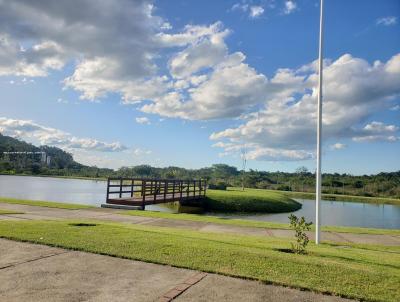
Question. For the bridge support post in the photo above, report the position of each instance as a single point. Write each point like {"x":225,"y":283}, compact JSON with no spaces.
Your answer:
{"x":143,"y":194}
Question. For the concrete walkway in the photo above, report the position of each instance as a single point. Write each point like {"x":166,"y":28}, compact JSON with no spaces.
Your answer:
{"x":111,"y":215}
{"x":30,"y":272}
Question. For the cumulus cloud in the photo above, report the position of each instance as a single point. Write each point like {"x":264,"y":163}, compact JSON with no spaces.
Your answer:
{"x":26,"y":129}
{"x":202,"y":80}
{"x":290,"y":7}
{"x":377,"y":131}
{"x":231,"y":88}
{"x":113,"y":43}
{"x":204,"y":52}
{"x":387,"y":21}
{"x":352,"y":94}
{"x":143,"y":120}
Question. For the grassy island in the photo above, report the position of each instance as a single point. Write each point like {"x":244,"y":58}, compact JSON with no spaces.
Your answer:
{"x":249,"y":201}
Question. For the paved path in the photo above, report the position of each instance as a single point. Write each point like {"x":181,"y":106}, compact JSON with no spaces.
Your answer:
{"x":30,"y":272}
{"x":37,"y":213}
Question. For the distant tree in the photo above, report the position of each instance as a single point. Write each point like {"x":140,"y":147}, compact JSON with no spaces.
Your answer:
{"x":143,"y":170}
{"x":302,"y":170}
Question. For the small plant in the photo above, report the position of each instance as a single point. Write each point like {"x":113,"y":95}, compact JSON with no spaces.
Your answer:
{"x":300,"y":226}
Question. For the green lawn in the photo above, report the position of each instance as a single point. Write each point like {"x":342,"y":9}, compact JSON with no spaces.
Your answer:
{"x":252,"y":223}
{"x":337,"y":197}
{"x":249,"y":201}
{"x":369,"y":273}
{"x":48,"y":204}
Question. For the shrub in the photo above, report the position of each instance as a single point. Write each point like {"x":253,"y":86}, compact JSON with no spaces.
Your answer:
{"x":300,"y":226}
{"x":284,"y":188}
{"x":218,"y":186}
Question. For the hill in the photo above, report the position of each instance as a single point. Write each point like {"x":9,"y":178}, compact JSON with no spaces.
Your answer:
{"x":385,"y":184}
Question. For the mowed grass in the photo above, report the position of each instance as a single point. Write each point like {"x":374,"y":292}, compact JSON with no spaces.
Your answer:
{"x":253,"y":201}
{"x":369,"y":273}
{"x":330,"y":197}
{"x":41,"y":203}
{"x":252,"y":223}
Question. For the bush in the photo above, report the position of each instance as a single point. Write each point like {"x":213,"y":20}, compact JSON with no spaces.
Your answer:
{"x":218,"y":186}
{"x":300,"y":226}
{"x":284,"y":188}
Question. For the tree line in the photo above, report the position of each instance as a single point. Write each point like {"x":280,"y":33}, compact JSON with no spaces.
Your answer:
{"x":385,"y":184}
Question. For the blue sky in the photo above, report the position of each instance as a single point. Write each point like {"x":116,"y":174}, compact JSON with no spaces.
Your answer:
{"x":189,"y":83}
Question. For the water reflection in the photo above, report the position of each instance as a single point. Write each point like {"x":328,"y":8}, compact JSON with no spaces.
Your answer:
{"x":93,"y":193}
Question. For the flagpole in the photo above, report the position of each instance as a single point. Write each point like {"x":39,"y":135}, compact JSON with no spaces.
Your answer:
{"x":319,"y":129}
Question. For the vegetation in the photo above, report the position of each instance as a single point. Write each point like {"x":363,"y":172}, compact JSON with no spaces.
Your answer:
{"x":334,"y":197}
{"x":9,"y":212}
{"x":199,"y":218}
{"x":370,"y":273}
{"x":253,"y":223}
{"x":48,"y":204}
{"x":221,"y":175}
{"x":300,"y":226}
{"x":249,"y":201}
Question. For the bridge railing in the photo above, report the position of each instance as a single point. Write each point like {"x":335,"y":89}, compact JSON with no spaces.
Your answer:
{"x":155,"y":190}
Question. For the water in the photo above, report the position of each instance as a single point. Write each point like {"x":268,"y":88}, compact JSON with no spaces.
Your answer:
{"x":93,"y":192}
{"x":341,"y":213}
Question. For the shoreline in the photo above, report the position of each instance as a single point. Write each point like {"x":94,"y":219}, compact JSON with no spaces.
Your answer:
{"x":290,"y":194}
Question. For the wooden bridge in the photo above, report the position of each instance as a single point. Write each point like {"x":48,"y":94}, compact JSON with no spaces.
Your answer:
{"x":145,"y":191}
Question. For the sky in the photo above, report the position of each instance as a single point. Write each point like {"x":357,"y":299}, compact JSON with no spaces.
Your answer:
{"x":194,"y":83}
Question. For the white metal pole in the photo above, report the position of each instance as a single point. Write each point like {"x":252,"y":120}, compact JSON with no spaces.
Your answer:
{"x":319,"y":129}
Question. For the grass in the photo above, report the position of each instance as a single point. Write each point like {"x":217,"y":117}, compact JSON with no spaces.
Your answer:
{"x":252,"y":223}
{"x":334,"y":197}
{"x":252,"y":201}
{"x":371,"y":274}
{"x":41,"y":203}
{"x":9,"y":212}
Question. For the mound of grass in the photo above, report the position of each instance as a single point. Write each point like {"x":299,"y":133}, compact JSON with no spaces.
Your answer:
{"x":330,"y":197}
{"x":41,"y":203}
{"x":370,"y":274}
{"x":249,"y":201}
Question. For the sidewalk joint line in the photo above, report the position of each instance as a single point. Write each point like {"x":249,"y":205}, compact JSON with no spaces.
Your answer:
{"x":182,"y":287}
{"x":32,"y":260}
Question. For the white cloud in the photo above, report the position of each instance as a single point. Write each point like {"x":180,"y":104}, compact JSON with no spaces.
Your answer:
{"x":256,"y":11}
{"x":354,"y":91}
{"x":338,"y":146}
{"x":30,"y":130}
{"x":231,"y":88}
{"x":290,"y":7}
{"x":253,"y":11}
{"x":204,"y":52}
{"x":377,"y":131}
{"x":114,"y":50}
{"x":202,"y":79}
{"x":143,"y":120}
{"x":387,"y":21}
{"x":379,"y":127}
{"x":141,"y":152}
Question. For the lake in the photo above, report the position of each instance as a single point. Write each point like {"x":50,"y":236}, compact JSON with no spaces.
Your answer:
{"x":93,"y":192}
